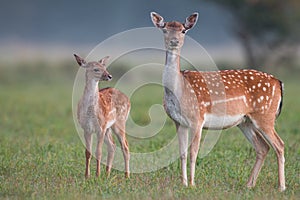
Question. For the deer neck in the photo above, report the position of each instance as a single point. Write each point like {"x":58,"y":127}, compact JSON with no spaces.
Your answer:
{"x":91,"y":92}
{"x":172,"y":78}
{"x":173,"y":83}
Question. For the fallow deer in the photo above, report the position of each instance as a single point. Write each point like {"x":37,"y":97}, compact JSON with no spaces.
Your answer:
{"x":199,"y":100}
{"x":100,"y":111}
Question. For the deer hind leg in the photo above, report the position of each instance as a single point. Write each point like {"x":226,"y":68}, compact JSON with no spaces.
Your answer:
{"x":100,"y":140}
{"x":278,"y":146}
{"x":182,"y":133}
{"x":121,"y":135}
{"x":88,"y":155}
{"x":268,"y":132}
{"x":194,"y":149}
{"x":260,"y":146}
{"x":111,"y":148}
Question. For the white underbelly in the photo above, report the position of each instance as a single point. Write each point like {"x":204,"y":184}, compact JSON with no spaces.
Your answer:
{"x":216,"y":122}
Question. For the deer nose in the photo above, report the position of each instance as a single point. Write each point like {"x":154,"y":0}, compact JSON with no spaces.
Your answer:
{"x":109,"y":77}
{"x":174,"y":42}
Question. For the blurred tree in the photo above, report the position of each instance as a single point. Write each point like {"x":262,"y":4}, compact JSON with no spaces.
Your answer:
{"x":268,"y":30}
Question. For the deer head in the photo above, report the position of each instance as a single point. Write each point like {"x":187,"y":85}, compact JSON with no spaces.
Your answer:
{"x":95,"y":70}
{"x":174,"y":31}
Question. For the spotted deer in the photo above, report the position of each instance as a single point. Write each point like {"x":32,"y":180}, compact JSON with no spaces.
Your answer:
{"x":100,"y":111}
{"x":196,"y":100}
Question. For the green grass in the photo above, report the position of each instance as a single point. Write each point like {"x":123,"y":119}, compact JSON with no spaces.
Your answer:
{"x":42,"y":156}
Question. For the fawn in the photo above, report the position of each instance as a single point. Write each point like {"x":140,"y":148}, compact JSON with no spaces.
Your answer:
{"x":100,"y":111}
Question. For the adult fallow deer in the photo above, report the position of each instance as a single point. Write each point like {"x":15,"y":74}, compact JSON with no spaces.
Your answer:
{"x":195,"y":100}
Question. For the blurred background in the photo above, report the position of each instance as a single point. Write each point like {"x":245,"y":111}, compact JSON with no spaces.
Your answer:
{"x":38,"y":39}
{"x":236,"y":33}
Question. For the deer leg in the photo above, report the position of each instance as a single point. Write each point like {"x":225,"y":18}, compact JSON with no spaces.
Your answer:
{"x":111,"y":148}
{"x":260,"y":146}
{"x":182,"y":133}
{"x":121,"y":135}
{"x":266,"y":128}
{"x":194,"y":149}
{"x":100,"y":140}
{"x":278,"y":145}
{"x":88,"y":150}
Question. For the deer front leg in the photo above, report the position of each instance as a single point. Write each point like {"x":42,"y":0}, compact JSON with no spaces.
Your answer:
{"x":195,"y":142}
{"x":182,"y":133}
{"x":88,"y":150}
{"x":100,"y":140}
{"x":111,"y":148}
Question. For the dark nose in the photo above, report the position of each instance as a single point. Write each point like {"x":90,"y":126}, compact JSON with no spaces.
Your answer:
{"x":109,"y":77}
{"x":174,"y":42}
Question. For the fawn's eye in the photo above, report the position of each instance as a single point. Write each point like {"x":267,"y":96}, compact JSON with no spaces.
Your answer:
{"x":96,"y":70}
{"x":164,"y":30}
{"x":184,"y":31}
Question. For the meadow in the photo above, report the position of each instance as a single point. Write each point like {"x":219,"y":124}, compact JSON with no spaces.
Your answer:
{"x":42,"y":156}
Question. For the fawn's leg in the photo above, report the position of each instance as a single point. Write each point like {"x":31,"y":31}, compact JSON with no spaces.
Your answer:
{"x":111,"y":148}
{"x":119,"y":129}
{"x":88,"y":150}
{"x":100,"y":140}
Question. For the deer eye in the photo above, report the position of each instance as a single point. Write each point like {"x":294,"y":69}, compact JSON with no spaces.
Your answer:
{"x":184,"y":31}
{"x":164,"y":30}
{"x":96,"y":70}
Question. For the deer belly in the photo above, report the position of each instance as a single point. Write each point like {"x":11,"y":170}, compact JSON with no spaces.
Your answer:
{"x":217,"y":122}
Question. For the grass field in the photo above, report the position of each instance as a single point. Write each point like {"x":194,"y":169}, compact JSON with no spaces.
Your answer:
{"x":42,"y":156}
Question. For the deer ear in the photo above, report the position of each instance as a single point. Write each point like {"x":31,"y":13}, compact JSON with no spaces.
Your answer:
{"x":157,"y":20}
{"x":191,"y":21}
{"x":81,"y":62}
{"x":104,"y":60}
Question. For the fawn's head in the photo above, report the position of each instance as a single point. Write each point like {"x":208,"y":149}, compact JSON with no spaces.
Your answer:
{"x":174,"y":31}
{"x":95,"y":70}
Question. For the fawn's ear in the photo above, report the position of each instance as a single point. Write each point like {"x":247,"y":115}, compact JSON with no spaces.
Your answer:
{"x":191,"y":21}
{"x":157,"y":20}
{"x":104,"y":60}
{"x":81,"y":62}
